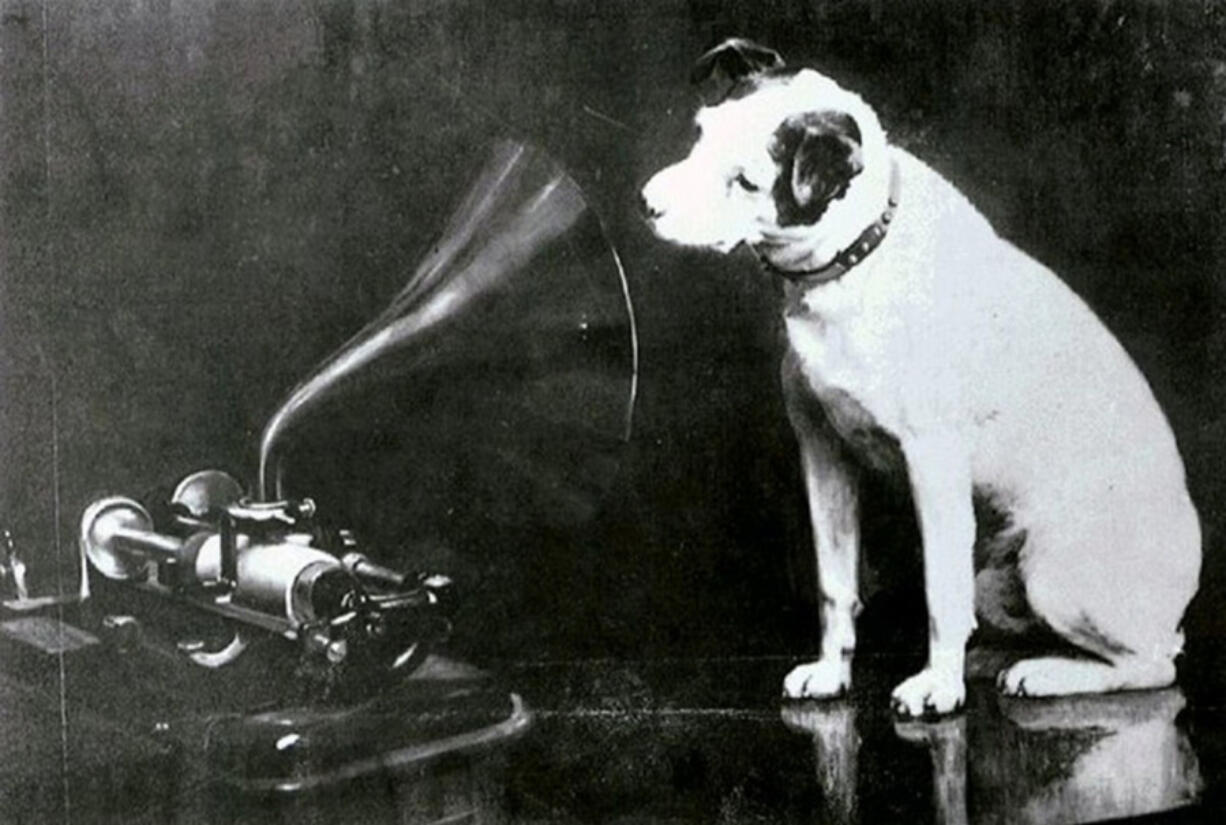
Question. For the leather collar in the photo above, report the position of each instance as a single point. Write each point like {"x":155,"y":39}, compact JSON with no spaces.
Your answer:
{"x":863,"y":246}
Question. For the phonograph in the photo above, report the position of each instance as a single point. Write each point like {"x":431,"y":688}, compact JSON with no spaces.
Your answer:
{"x":263,"y":642}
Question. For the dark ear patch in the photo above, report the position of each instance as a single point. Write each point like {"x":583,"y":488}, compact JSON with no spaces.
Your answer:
{"x":733,"y":60}
{"x":818,"y":154}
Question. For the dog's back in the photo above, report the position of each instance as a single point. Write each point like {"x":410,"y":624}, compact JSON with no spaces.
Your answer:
{"x":1058,"y":415}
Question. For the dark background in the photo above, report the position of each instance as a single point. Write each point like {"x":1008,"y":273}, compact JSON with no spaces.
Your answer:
{"x":202,"y":199}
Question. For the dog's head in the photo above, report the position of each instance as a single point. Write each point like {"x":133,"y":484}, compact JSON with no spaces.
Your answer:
{"x":776,"y":163}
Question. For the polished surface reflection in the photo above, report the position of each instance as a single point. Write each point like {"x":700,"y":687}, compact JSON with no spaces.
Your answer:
{"x":677,"y":741}
{"x":1007,"y":760}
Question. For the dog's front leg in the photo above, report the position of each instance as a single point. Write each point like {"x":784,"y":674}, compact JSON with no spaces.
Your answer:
{"x":939,"y":471}
{"x":834,"y":513}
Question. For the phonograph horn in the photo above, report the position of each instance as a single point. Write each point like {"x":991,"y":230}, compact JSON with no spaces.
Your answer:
{"x":509,"y":356}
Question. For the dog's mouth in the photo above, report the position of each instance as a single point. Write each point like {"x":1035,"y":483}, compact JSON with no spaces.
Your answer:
{"x":781,"y":249}
{"x":772,"y":237}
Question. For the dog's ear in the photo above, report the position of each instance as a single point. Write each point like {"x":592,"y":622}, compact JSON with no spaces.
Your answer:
{"x":733,"y":60}
{"x":818,"y":154}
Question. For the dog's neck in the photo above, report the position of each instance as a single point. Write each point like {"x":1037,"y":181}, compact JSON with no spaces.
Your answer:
{"x":851,"y":229}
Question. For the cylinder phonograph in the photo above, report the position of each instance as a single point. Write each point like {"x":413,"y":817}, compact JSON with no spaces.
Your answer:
{"x":510,"y":352}
{"x":267,"y":568}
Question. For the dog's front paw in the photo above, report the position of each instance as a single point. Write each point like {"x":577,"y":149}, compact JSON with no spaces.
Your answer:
{"x":818,"y":680}
{"x":932,"y":691}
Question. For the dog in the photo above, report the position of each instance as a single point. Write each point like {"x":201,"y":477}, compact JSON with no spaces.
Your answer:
{"x":922,"y":343}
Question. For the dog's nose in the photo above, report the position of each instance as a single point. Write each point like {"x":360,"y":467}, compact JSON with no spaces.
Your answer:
{"x":646,"y":209}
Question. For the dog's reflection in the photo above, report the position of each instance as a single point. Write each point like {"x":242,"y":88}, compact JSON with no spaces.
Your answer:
{"x":1074,"y":759}
{"x":836,"y":753}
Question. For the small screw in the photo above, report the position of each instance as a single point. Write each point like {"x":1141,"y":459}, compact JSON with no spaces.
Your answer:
{"x":337,"y":651}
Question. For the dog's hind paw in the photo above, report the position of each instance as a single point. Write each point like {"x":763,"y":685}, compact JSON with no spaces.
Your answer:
{"x":822,"y":679}
{"x":931,"y":692}
{"x":1059,"y":676}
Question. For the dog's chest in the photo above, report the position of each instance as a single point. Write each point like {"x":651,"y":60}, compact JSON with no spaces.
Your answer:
{"x":843,"y":370}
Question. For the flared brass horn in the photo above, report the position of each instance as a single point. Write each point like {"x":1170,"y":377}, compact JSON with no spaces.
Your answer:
{"x":522,"y":289}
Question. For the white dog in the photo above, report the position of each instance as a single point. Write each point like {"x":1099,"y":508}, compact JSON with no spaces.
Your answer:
{"x":919,"y":341}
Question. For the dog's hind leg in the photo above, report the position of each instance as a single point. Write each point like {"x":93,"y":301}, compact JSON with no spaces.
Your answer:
{"x":833,"y":496}
{"x":1122,"y":612}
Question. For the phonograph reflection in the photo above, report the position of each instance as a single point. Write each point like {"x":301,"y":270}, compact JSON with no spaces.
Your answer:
{"x":1016,"y":761}
{"x":255,"y":638}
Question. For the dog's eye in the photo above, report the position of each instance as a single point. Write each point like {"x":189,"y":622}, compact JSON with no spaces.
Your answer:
{"x":745,"y":183}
